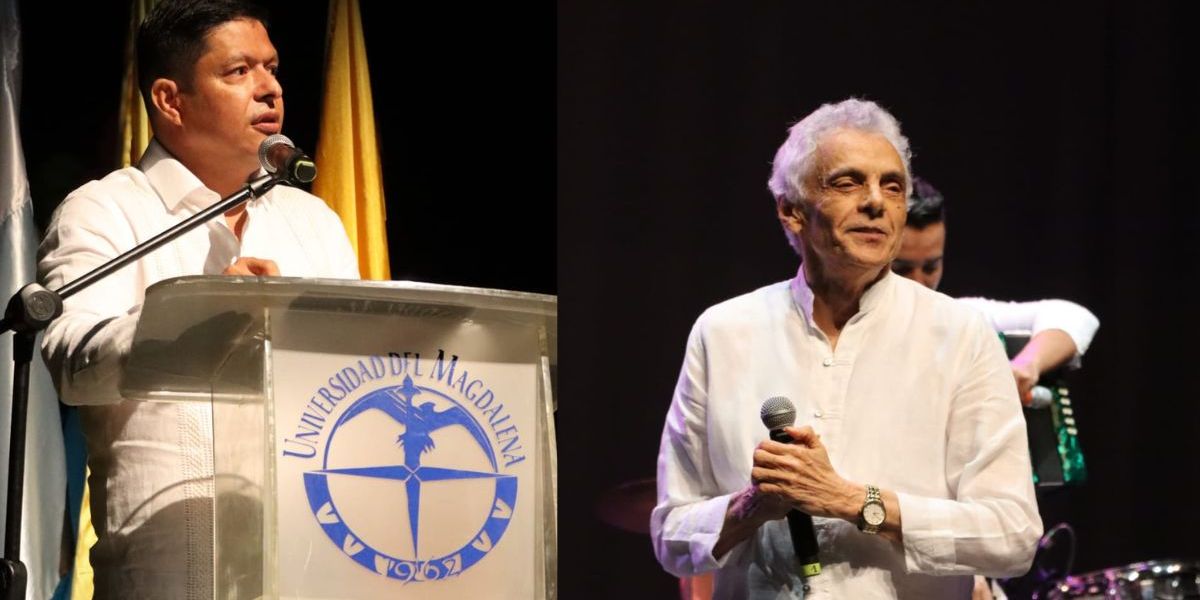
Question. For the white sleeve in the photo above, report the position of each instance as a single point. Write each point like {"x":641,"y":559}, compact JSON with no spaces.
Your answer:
{"x":343,"y":261}
{"x":85,"y":348}
{"x":690,"y":512}
{"x":991,"y":525}
{"x":1038,"y":316}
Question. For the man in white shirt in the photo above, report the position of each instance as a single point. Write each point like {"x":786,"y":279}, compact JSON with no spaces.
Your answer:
{"x":1060,"y":331}
{"x":207,"y":74}
{"x":904,"y":395}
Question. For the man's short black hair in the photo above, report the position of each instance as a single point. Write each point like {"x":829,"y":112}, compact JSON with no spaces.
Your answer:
{"x":171,"y":38}
{"x":925,"y":206}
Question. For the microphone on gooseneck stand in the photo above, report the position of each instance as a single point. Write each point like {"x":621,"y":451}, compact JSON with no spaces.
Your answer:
{"x":776,"y":414}
{"x":280,"y":157}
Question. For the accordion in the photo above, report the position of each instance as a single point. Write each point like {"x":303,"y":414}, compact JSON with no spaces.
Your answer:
{"x":1050,"y":424}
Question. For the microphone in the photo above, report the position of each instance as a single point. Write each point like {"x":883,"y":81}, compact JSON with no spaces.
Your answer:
{"x":1040,"y":397}
{"x":776,"y":414}
{"x":280,"y":157}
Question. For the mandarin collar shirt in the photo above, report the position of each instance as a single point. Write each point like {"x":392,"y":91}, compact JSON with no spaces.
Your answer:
{"x":917,"y":397}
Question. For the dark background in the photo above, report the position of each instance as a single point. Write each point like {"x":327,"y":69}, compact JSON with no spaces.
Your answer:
{"x":1063,"y":137}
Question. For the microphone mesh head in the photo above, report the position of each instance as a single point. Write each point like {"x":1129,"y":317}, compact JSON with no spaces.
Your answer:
{"x":1041,"y":397}
{"x":778,"y":413}
{"x":264,"y":150}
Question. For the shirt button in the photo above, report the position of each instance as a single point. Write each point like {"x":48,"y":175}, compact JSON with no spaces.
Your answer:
{"x":827,"y":362}
{"x":817,"y":414}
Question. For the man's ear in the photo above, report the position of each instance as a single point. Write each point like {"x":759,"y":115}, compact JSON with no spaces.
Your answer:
{"x":166,"y":99}
{"x":791,"y":215}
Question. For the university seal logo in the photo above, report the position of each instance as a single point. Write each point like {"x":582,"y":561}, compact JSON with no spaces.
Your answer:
{"x":435,"y":429}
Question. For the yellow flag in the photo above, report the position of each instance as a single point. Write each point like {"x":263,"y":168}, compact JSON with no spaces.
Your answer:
{"x":82,"y":576}
{"x":349,"y":177}
{"x":134,"y":125}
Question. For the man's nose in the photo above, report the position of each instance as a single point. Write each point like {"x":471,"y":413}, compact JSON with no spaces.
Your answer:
{"x":268,"y":88}
{"x":872,"y":202}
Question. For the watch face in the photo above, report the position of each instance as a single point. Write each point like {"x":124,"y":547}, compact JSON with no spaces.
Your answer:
{"x":873,"y":514}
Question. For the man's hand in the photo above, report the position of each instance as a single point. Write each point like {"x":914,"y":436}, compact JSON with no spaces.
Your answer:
{"x":753,"y":505}
{"x":798,"y":475}
{"x":747,"y":511}
{"x":801,"y":476}
{"x":1027,"y":374}
{"x":248,"y":265}
{"x":1046,"y":351}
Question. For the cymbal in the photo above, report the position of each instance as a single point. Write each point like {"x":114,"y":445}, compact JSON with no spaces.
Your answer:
{"x":628,"y":505}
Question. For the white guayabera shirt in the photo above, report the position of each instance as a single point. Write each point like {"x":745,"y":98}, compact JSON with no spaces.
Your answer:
{"x":151,"y":463}
{"x":918,"y":398}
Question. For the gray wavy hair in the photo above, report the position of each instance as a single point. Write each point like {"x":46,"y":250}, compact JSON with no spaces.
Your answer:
{"x":794,"y":158}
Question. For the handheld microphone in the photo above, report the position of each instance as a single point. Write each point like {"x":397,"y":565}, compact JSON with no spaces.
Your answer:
{"x":1040,"y":397}
{"x":777,"y":413}
{"x":280,"y":157}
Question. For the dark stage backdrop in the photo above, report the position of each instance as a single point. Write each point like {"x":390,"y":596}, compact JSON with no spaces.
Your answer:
{"x":1063,"y":137}
{"x":464,"y":109}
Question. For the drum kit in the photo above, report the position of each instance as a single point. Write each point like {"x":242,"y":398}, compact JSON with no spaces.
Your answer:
{"x":1152,"y":580}
{"x":1057,"y":462}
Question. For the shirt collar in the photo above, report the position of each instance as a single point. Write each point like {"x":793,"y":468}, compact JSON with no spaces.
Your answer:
{"x":174,"y":183}
{"x":874,"y":297}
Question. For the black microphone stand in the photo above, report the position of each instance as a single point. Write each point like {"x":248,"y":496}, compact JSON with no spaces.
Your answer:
{"x":31,"y":310}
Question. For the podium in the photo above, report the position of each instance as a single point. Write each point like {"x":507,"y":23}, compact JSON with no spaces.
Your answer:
{"x":371,"y":439}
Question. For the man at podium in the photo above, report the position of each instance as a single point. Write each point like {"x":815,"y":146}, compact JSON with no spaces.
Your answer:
{"x":207,"y":74}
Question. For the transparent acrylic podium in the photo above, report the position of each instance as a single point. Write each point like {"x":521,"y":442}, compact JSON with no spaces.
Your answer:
{"x":371,"y":439}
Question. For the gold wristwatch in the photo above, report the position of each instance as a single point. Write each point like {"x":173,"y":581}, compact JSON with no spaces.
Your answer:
{"x":872,"y":515}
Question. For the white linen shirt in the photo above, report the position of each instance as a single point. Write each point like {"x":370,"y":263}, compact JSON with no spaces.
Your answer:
{"x":917,"y":398}
{"x":151,"y":463}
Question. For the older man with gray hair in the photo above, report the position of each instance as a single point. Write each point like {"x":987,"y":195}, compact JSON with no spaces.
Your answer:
{"x":912,"y":457}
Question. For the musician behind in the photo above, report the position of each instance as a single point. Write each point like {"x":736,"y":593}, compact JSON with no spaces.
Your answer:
{"x":1060,"y":330}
